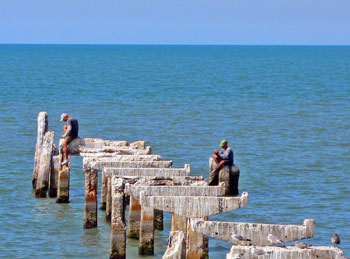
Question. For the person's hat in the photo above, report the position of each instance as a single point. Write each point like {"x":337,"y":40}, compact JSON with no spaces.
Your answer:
{"x":63,"y":115}
{"x":223,"y":142}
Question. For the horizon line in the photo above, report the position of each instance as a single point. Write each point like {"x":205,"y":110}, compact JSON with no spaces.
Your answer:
{"x":172,"y":44}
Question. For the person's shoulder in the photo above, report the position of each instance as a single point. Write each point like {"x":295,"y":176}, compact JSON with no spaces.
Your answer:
{"x":71,"y":119}
{"x":229,"y":148}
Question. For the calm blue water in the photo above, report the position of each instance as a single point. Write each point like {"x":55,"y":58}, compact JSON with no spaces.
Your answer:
{"x":285,"y":111}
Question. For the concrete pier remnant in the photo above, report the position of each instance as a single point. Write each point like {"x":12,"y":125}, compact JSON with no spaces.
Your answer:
{"x":109,"y":199}
{"x":146,"y":241}
{"x":55,"y":169}
{"x":158,"y":219}
{"x":118,"y":226}
{"x":228,"y":175}
{"x":104,"y":187}
{"x":90,"y":215}
{"x":257,"y":233}
{"x":288,"y":252}
{"x":44,"y":171}
{"x":43,"y":125}
{"x":101,"y":163}
{"x":176,"y":246}
{"x":192,"y":206}
{"x":63,"y":184}
{"x":134,"y":217}
{"x":113,"y":151}
{"x":144,"y":172}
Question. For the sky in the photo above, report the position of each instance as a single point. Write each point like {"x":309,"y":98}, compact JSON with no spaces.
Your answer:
{"x":236,"y":22}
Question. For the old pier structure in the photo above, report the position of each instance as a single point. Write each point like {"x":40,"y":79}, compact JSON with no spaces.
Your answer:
{"x":132,"y":175}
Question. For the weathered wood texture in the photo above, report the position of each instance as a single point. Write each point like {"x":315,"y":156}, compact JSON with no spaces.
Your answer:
{"x":118,"y":226}
{"x":45,"y":165}
{"x":143,"y":172}
{"x":42,"y":129}
{"x":176,"y":246}
{"x":146,"y":240}
{"x":55,"y":169}
{"x":90,"y":215}
{"x":289,"y":252}
{"x":256,"y":232}
{"x":175,"y":190}
{"x":191,"y":206}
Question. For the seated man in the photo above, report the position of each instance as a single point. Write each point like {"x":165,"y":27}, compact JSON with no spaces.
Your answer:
{"x":71,"y":130}
{"x":222,"y":157}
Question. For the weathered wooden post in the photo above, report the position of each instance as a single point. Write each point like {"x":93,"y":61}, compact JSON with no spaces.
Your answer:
{"x":118,"y":226}
{"x":90,"y":215}
{"x":146,"y":244}
{"x":44,"y":171}
{"x":43,"y":125}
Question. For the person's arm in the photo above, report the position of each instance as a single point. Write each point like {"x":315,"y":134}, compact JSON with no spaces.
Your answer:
{"x":225,"y":154}
{"x":69,"y":129}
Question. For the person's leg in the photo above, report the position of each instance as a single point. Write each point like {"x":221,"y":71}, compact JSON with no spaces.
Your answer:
{"x":65,"y":149}
{"x":216,"y":159}
{"x":220,"y":165}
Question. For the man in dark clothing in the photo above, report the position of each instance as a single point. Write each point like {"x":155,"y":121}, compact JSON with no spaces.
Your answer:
{"x":223,"y":157}
{"x":71,"y":130}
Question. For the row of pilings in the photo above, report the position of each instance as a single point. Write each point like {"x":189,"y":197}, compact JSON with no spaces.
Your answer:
{"x":133,"y":178}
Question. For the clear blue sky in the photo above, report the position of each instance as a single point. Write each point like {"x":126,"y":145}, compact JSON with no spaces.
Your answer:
{"x":175,"y":21}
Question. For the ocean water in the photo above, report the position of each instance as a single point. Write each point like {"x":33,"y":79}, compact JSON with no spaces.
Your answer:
{"x":285,"y":110}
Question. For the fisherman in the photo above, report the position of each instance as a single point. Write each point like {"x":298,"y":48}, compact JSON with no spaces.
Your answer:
{"x":223,"y":157}
{"x":70,"y":132}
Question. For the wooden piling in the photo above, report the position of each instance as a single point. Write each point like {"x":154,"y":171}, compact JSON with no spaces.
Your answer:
{"x":42,"y":182}
{"x":104,"y":187}
{"x":146,"y":241}
{"x":43,"y":125}
{"x":90,"y":215}
{"x":118,"y":226}
{"x":134,"y":218}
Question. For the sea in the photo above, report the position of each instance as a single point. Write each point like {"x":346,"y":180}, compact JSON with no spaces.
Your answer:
{"x":285,"y":111}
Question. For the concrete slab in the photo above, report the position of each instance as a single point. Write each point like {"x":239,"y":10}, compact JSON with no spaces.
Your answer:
{"x":141,"y":172}
{"x":135,"y":190}
{"x":100,"y":164}
{"x":192,"y":207}
{"x":288,"y":252}
{"x":256,"y":232}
